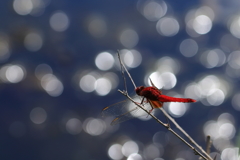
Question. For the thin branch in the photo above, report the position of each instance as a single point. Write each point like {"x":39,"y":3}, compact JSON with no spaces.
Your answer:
{"x":122,"y":71}
{"x":166,"y":114}
{"x":126,"y":94}
{"x":209,"y":143}
{"x":122,"y":65}
{"x":165,"y":125}
{"x":185,"y":133}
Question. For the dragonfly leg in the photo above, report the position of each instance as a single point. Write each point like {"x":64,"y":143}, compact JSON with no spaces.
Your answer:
{"x":150,"y":111}
{"x":144,"y":101}
{"x":141,"y":101}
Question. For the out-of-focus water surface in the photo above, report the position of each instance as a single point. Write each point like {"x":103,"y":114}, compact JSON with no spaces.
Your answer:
{"x":58,"y":69}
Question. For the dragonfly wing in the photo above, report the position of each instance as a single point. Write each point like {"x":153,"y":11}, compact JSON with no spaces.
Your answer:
{"x":155,"y":86}
{"x":119,"y":108}
{"x":126,"y":116}
{"x":125,"y":110}
{"x":114,"y":109}
{"x":133,"y":113}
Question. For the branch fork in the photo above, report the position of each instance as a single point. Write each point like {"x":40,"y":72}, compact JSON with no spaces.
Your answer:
{"x":201,"y":152}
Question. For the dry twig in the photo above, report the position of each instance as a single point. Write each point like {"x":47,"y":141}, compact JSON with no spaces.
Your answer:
{"x":204,"y":154}
{"x":165,"y":125}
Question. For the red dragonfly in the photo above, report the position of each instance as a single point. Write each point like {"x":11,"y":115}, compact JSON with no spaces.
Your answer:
{"x":154,"y":99}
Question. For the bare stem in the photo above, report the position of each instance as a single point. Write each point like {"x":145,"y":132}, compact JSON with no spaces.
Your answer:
{"x":185,"y":133}
{"x":165,"y":125}
{"x":209,"y":143}
{"x":165,"y":113}
{"x":122,"y":65}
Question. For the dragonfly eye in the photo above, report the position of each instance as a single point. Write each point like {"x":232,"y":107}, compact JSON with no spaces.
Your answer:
{"x":139,"y":89}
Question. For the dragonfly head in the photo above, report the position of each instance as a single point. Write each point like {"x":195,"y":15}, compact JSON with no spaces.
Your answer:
{"x":139,"y":89}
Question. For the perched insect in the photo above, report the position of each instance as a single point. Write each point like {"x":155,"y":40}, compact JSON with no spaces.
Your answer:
{"x":154,"y":99}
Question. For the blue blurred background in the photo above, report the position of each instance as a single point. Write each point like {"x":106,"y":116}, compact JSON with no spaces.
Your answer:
{"x":58,"y":69}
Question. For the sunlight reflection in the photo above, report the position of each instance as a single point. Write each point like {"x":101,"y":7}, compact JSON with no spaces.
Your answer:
{"x":87,"y":83}
{"x":113,"y":78}
{"x":152,"y":151}
{"x":103,"y":86}
{"x":152,"y":10}
{"x":129,"y":148}
{"x":213,"y":89}
{"x":167,"y":64}
{"x":94,"y":126}
{"x":223,"y":128}
{"x":104,"y":61}
{"x":234,"y":60}
{"x":22,"y":7}
{"x":199,"y":21}
{"x":132,"y":58}
{"x":202,"y":24}
{"x":139,"y":113}
{"x":135,"y":156}
{"x":15,"y":73}
{"x":114,"y":152}
{"x":188,"y":47}
{"x":193,"y":90}
{"x":52,"y":85}
{"x":166,"y":80}
{"x":38,"y":115}
{"x":97,"y":26}
{"x":59,"y":21}
{"x":167,"y":26}
{"x":94,"y":81}
{"x":129,"y":38}
{"x":230,"y":154}
{"x":213,"y":58}
{"x":33,"y":41}
{"x":177,"y":109}
{"x":74,"y":126}
{"x":221,"y":143}
{"x":169,"y":80}
{"x":215,"y":97}
{"x":236,"y":101}
{"x":234,"y":26}
{"x":41,"y":70}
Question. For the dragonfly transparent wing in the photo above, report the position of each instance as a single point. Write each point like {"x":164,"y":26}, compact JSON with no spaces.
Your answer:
{"x":125,"y":110}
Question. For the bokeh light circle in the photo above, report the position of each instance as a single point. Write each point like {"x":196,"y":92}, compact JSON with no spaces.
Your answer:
{"x":74,"y":126}
{"x":114,"y":152}
{"x":131,"y":58}
{"x":59,"y":21}
{"x":38,"y":115}
{"x":104,"y":61}
{"x":168,"y":26}
{"x":154,"y":10}
{"x":103,"y":86}
{"x":202,"y":24}
{"x":87,"y":83}
{"x":94,"y":126}
{"x":188,"y":47}
{"x":15,"y":73}
{"x":177,"y":109}
{"x":129,"y":38}
{"x":129,"y":147}
{"x":33,"y":41}
{"x":22,"y":7}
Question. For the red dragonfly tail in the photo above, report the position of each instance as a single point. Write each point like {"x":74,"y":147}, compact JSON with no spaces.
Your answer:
{"x":163,"y":98}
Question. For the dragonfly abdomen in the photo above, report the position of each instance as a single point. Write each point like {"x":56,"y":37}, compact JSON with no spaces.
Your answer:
{"x":163,"y":98}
